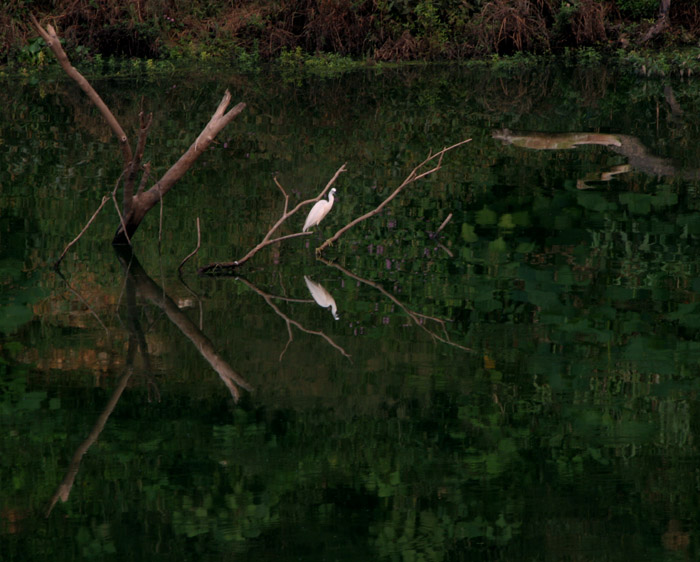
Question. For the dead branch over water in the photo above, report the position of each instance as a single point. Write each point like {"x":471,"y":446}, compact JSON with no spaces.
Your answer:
{"x":267,"y":239}
{"x":414,"y":176}
{"x":54,"y":43}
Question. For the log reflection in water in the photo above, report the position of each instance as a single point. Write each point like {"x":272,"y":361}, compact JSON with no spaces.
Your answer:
{"x":148,"y":289}
{"x":138,"y":282}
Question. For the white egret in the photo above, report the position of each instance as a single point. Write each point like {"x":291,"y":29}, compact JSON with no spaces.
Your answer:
{"x":322,"y":297}
{"x":319,"y":210}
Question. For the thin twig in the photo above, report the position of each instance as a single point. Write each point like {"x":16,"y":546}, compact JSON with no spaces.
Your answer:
{"x":105,"y":198}
{"x":284,"y":193}
{"x":116,"y":206}
{"x":443,"y":247}
{"x":194,"y":252}
{"x":444,"y":224}
{"x":80,"y":297}
{"x":295,"y":235}
{"x":160,"y":221}
{"x":437,"y":233}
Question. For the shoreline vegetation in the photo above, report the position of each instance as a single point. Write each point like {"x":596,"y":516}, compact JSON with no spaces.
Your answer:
{"x":109,"y":37}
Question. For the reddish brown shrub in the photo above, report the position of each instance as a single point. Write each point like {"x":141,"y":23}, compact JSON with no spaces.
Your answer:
{"x":507,"y":26}
{"x":588,"y":22}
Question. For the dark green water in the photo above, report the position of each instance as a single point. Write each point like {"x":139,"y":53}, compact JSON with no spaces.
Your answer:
{"x":522,"y":387}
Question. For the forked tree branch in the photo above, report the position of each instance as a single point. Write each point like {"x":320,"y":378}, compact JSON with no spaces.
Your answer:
{"x":145,"y":201}
{"x":267,"y":239}
{"x":414,"y":176}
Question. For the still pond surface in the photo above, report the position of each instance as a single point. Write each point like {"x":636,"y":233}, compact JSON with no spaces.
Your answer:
{"x":520,"y":385}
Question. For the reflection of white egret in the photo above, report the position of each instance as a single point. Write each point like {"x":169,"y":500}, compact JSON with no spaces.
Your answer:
{"x":322,"y":297}
{"x":318,"y":211}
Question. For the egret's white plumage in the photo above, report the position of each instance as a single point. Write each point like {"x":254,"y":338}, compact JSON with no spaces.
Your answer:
{"x":322,"y":297}
{"x":319,"y":210}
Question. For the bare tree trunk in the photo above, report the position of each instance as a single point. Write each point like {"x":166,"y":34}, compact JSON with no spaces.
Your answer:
{"x":135,"y":206}
{"x":144,"y":201}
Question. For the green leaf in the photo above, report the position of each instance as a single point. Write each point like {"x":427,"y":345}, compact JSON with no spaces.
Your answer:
{"x":486,"y":216}
{"x":468,"y":234}
{"x":506,"y":221}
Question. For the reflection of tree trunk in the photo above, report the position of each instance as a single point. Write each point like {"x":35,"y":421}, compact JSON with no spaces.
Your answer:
{"x":137,"y":340}
{"x":66,"y":485}
{"x":148,"y":289}
{"x":138,"y":281}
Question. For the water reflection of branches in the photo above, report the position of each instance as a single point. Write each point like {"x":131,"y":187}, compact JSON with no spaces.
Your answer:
{"x":518,"y":95}
{"x":137,"y":342}
{"x":289,"y":321}
{"x":147,"y":288}
{"x":83,"y":300}
{"x":418,"y":318}
{"x":137,"y":282}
